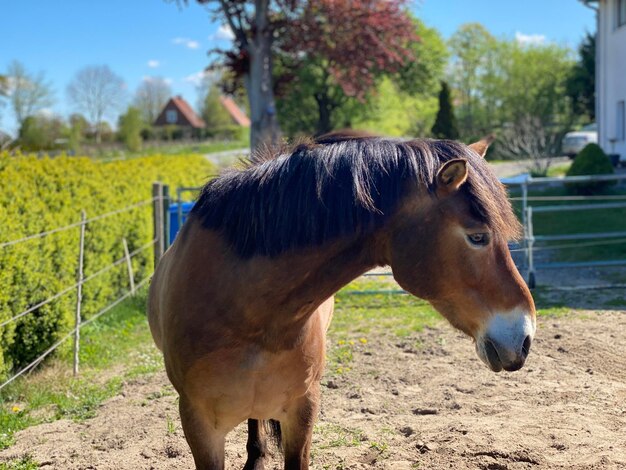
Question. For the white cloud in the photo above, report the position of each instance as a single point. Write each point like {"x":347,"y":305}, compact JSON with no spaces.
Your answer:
{"x":46,"y":112}
{"x":532,"y":39}
{"x":153,"y":64}
{"x":148,"y":78}
{"x":196,"y":78}
{"x":223,"y":33}
{"x":189,"y":43}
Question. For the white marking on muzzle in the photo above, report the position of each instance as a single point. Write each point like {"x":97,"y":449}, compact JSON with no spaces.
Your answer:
{"x":510,"y":329}
{"x":507,"y":333}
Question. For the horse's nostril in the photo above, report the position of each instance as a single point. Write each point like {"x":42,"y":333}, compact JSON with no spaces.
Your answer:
{"x":526,"y":346}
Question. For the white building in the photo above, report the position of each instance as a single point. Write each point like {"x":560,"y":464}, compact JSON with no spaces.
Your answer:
{"x":611,"y":75}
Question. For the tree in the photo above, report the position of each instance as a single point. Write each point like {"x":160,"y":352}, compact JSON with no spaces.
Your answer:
{"x":421,"y":76}
{"x":212,"y":111}
{"x":529,"y":138}
{"x":445,"y":123}
{"x":515,"y":90}
{"x":337,"y":50}
{"x":97,"y":91}
{"x":4,"y":85}
{"x":77,"y":131}
{"x":130,"y":126}
{"x":262,"y":27}
{"x":41,"y":132}
{"x":472,"y":58}
{"x":581,"y":83}
{"x":390,"y":111}
{"x":401,"y":102}
{"x":27,"y":93}
{"x":534,"y":112}
{"x":4,"y":89}
{"x":255,"y":24}
{"x":150,"y":98}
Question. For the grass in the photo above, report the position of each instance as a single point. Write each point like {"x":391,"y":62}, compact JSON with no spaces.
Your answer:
{"x":203,"y":147}
{"x":115,"y":348}
{"x":370,"y":307}
{"x":338,"y":436}
{"x":24,"y":463}
{"x":559,"y":170}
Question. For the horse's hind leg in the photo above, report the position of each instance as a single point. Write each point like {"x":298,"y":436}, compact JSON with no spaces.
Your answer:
{"x":206,"y":442}
{"x":297,"y":429}
{"x":256,"y":445}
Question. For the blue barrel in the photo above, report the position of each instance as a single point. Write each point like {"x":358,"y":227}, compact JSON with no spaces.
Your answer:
{"x":175,"y":223}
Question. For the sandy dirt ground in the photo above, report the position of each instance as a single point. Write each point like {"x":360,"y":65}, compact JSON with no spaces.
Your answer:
{"x":421,"y":402}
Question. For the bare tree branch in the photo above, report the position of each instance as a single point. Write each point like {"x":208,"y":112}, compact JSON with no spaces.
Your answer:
{"x":97,"y":91}
{"x":27,"y":93}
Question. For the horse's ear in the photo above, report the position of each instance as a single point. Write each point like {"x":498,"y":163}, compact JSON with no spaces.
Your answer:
{"x":482,"y":145}
{"x":451,"y":176}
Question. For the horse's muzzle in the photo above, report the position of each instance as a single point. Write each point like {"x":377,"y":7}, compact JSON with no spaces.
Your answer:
{"x":506,"y":342}
{"x":500,"y":357}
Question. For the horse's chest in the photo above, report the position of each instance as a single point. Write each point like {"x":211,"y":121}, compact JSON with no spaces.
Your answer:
{"x":253,"y":383}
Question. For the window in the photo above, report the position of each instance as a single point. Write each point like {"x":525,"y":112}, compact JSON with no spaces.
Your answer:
{"x":620,"y":122}
{"x":171,"y":116}
{"x":621,"y":13}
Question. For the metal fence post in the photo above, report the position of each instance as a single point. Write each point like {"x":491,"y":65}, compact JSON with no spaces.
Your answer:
{"x":157,"y":214}
{"x":166,"y":217}
{"x":129,"y":265}
{"x":530,"y":241}
{"x":179,"y":207}
{"x":524,"y":215}
{"x":79,"y":291}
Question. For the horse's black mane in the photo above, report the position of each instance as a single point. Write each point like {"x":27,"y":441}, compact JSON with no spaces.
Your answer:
{"x":338,"y":185}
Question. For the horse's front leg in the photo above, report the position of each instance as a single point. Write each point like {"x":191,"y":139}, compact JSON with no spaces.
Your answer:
{"x":206,"y":442}
{"x":297,"y":429}
{"x":256,"y":445}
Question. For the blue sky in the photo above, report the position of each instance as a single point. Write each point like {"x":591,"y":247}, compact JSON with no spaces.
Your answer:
{"x":144,"y":38}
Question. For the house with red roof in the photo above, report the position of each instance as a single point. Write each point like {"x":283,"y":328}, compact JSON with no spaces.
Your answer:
{"x":237,"y":115}
{"x":177,"y":112}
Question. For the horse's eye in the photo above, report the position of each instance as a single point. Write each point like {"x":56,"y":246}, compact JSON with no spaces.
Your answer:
{"x":478,"y":239}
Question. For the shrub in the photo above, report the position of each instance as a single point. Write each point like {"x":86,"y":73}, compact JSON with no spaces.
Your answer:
{"x":590,"y":161}
{"x":42,"y":194}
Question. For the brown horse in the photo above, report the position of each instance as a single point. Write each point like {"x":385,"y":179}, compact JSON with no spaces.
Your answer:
{"x":240,"y":303}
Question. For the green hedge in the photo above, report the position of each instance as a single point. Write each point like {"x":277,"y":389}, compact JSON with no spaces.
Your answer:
{"x":591,"y":160}
{"x":39,"y":194}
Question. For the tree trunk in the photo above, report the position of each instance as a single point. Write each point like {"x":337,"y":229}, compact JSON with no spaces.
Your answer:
{"x":98,"y":135}
{"x":264,"y":123}
{"x":325,"y":108}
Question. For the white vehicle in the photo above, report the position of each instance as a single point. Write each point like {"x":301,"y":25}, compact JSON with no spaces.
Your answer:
{"x":574,"y":142}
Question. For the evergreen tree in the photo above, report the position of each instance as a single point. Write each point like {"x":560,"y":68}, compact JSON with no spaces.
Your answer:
{"x":445,"y":123}
{"x":581,"y":83}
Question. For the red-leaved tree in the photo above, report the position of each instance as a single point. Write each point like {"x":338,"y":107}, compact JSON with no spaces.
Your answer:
{"x":350,"y":42}
{"x":338,"y":48}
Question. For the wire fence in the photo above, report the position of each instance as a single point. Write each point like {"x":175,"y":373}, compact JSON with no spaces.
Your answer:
{"x":158,"y":202}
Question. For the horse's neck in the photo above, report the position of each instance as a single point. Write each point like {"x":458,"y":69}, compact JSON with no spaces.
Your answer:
{"x":295,"y":284}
